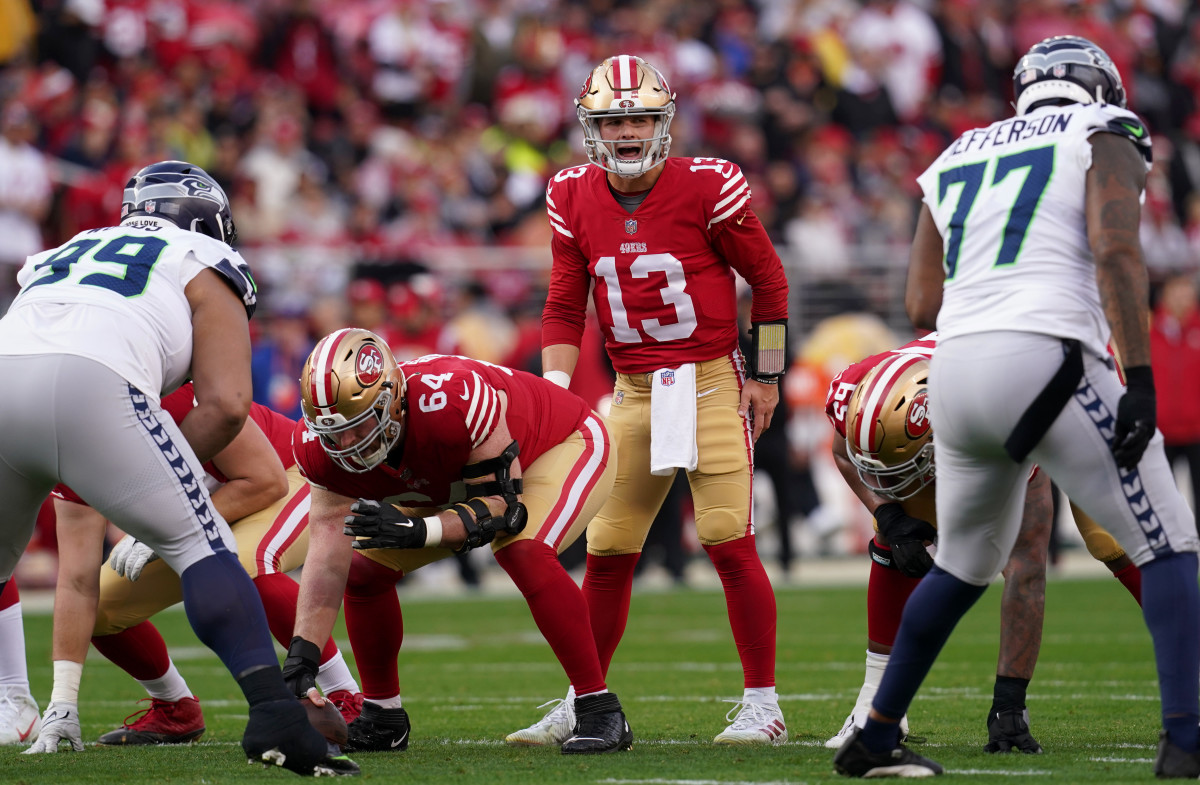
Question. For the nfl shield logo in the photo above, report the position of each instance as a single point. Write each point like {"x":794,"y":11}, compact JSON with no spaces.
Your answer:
{"x":631,"y":226}
{"x":668,"y":378}
{"x":618,"y":397}
{"x":1059,"y":71}
{"x":151,"y":206}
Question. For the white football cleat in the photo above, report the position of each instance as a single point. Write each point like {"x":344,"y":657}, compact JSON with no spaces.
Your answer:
{"x":552,"y":729}
{"x":754,"y":723}
{"x":857,"y":719}
{"x":20,"y":718}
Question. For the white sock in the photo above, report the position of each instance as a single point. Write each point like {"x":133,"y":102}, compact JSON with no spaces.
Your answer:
{"x":335,"y":675}
{"x":571,"y":693}
{"x":876,"y":665}
{"x":13,"y":671}
{"x":761,"y":695}
{"x":386,"y":703}
{"x":169,"y":687}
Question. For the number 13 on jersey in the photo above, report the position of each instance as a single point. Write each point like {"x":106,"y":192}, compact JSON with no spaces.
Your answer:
{"x":673,"y":294}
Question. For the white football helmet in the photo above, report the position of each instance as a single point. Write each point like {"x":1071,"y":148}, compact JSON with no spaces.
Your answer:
{"x":888,"y":438}
{"x":351,"y":378}
{"x":622,"y":85}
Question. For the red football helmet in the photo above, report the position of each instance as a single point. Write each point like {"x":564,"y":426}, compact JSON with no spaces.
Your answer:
{"x":888,"y":437}
{"x":351,"y":378}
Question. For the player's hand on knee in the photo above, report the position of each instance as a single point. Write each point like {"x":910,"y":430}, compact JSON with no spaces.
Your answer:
{"x":60,"y":723}
{"x":384,"y":526}
{"x":1136,"y":418}
{"x":907,"y":537}
{"x":130,"y":556}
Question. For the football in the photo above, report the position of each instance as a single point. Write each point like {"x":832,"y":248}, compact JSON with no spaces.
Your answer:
{"x":326,"y":719}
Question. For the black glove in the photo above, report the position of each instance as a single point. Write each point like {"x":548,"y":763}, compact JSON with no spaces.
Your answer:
{"x":385,"y":525}
{"x":300,"y":667}
{"x":1136,"y":417}
{"x":907,"y":536}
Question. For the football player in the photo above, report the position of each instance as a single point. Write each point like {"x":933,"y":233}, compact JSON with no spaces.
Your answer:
{"x":1026,"y":256}
{"x":658,"y":240}
{"x":126,"y":314}
{"x":477,"y":455}
{"x":257,"y":486}
{"x":883,"y":447}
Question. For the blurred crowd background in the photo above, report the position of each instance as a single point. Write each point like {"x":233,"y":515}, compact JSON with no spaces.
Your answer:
{"x":386,"y":161}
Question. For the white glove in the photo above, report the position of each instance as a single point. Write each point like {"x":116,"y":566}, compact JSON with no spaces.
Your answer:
{"x":129,"y":557}
{"x":59,"y":723}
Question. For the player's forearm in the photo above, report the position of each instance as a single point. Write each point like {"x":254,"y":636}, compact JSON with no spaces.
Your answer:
{"x":76,"y":596}
{"x":323,"y":581}
{"x":1125,"y":292}
{"x":560,"y":358}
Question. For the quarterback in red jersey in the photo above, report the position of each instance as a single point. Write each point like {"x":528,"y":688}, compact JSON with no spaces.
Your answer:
{"x":883,"y":446}
{"x":258,"y":488}
{"x":661,"y":239}
{"x":443,"y":453}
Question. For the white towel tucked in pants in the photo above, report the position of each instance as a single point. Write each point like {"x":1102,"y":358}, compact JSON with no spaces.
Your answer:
{"x":673,"y":420}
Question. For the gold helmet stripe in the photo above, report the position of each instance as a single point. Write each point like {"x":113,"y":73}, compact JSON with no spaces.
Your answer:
{"x":876,"y":395}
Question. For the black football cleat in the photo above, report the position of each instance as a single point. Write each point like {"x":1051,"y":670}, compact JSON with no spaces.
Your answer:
{"x":855,"y":760}
{"x":1008,"y":731}
{"x":378,"y":730}
{"x":1172,"y":763}
{"x":279,"y":734}
{"x":600,"y":727}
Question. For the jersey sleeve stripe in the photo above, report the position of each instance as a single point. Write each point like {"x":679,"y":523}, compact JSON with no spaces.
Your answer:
{"x":561,"y":229}
{"x":731,"y":210}
{"x":737,"y":193}
{"x":733,"y":181}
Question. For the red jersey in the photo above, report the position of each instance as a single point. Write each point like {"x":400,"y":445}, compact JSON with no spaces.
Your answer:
{"x":842,"y":386}
{"x":277,"y":428}
{"x":664,"y":284}
{"x":453,"y":407}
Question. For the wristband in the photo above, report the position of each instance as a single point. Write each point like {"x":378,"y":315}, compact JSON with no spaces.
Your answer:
{"x":67,"y":675}
{"x":433,"y":532}
{"x":1140,"y":377}
{"x":561,"y":378}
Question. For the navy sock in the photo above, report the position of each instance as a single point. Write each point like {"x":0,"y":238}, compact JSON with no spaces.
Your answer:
{"x":930,"y":615}
{"x":227,"y":615}
{"x":1170,"y":594}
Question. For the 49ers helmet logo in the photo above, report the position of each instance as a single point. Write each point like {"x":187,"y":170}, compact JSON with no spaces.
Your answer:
{"x":916,"y":424}
{"x":368,"y":364}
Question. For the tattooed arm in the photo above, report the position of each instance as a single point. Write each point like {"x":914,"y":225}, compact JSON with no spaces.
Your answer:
{"x":1114,"y":187}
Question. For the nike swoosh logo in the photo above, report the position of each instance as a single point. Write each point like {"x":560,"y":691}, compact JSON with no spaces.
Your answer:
{"x":465,"y":395}
{"x":707,"y":392}
{"x":28,"y":731}
{"x":400,"y":740}
{"x":1136,"y":130}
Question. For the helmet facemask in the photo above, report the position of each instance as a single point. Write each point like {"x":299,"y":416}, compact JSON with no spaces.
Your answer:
{"x":621,"y":86}
{"x":888,"y":438}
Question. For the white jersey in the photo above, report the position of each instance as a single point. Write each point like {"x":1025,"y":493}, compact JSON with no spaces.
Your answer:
{"x":116,"y":296}
{"x":1009,"y":202}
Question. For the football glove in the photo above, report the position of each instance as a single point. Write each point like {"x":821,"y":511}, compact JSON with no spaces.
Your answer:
{"x":384,"y":525}
{"x":130,"y":556}
{"x":301,"y":666}
{"x":60,"y":723}
{"x":1136,"y":418}
{"x":907,"y":537}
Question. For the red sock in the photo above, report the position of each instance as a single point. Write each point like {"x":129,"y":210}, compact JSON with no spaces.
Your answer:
{"x":10,"y":596}
{"x":607,"y":587}
{"x":140,"y":651}
{"x":1131,"y":578}
{"x":887,"y":592}
{"x":751,"y":603}
{"x":558,"y":609}
{"x":279,"y":593}
{"x":375,"y":625}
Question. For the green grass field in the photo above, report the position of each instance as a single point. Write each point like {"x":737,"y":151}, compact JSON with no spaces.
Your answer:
{"x":474,"y":669}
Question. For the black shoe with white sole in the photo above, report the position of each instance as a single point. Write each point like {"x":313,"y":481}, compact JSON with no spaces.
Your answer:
{"x":600,"y":726}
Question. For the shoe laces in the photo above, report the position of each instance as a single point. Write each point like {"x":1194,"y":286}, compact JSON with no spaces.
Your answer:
{"x":745,"y":715}
{"x":146,"y":715}
{"x":560,"y":712}
{"x":345,"y":700}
